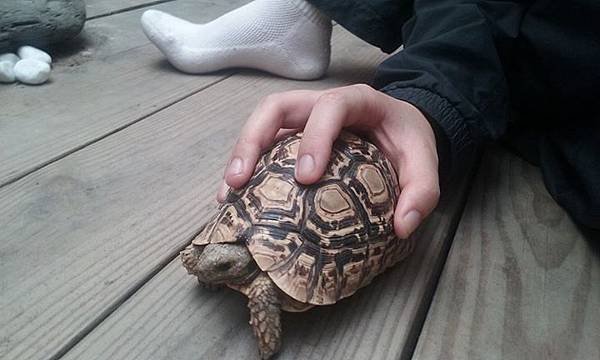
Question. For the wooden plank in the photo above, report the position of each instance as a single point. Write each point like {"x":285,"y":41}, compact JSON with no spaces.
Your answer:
{"x":97,"y":8}
{"x":520,"y":281}
{"x":81,"y":234}
{"x":113,"y":79}
{"x":172,"y":318}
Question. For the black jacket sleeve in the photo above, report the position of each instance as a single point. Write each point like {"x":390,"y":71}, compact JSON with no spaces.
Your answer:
{"x":452,"y":68}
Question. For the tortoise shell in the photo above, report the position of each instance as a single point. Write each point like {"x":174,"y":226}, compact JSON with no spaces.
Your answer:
{"x":318,"y":243}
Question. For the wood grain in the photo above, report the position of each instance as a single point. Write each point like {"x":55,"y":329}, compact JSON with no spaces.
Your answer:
{"x":171,"y":317}
{"x":79,"y":235}
{"x":110,"y":79}
{"x":520,"y":281}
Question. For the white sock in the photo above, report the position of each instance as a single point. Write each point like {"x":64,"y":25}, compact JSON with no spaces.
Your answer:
{"x":290,"y":38}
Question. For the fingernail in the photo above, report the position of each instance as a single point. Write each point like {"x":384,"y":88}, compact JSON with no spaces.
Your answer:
{"x":222,"y":194}
{"x":235,"y":166}
{"x":306,"y":164}
{"x":411,"y":221}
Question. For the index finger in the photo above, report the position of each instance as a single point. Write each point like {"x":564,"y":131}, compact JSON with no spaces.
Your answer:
{"x":285,"y":110}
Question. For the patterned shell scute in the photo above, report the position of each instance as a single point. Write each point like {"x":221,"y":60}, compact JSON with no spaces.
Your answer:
{"x":226,"y":226}
{"x":273,"y":200}
{"x":319,"y":243}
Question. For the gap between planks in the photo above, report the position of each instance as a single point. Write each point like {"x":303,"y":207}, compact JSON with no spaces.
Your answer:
{"x":116,"y":130}
{"x":117,"y":127}
{"x":101,"y":8}
{"x":170,"y":317}
{"x":120,"y":301}
{"x":82,"y":230}
{"x":110,"y":77}
{"x":422,"y":311}
{"x":521,"y":280}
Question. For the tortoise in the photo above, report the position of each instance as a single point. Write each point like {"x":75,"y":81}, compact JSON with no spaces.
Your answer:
{"x":288,"y":246}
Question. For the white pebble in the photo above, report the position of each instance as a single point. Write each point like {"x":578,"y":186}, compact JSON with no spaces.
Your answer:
{"x":29,"y":52}
{"x":7,"y":74}
{"x":12,"y":58}
{"x":31,"y":71}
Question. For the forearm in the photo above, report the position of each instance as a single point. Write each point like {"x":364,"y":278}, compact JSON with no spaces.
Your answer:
{"x":452,"y":69}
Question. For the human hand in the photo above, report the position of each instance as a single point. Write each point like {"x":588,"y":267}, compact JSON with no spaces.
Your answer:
{"x":396,"y":127}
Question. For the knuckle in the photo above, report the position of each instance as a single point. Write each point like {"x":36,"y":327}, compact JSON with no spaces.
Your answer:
{"x":244,"y":144}
{"x":310,"y":140}
{"x":363,"y":89}
{"x":332,"y":97}
{"x":244,"y":139}
{"x":270,"y":103}
{"x":317,"y":145}
{"x":370,"y":99}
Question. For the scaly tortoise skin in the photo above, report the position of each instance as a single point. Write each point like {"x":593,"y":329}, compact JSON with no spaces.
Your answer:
{"x":289,"y":246}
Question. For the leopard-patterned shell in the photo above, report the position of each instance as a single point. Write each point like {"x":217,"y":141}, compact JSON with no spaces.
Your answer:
{"x":318,"y":243}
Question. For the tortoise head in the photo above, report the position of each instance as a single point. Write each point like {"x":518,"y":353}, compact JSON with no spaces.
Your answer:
{"x":220,"y":263}
{"x":218,"y":255}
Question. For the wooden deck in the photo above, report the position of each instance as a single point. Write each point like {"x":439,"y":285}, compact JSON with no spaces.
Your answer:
{"x":108,"y":170}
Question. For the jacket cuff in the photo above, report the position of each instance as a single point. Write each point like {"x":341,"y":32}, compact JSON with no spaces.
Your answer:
{"x":455,"y":145}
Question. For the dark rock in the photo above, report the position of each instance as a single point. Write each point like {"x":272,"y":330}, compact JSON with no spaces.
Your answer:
{"x":39,"y":22}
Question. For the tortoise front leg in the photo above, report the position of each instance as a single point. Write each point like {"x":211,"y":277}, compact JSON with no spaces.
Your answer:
{"x":265,"y":320}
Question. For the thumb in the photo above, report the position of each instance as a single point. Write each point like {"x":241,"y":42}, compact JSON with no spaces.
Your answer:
{"x":420,"y":191}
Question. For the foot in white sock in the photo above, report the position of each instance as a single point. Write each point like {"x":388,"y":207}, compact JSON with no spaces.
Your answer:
{"x":290,"y":38}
